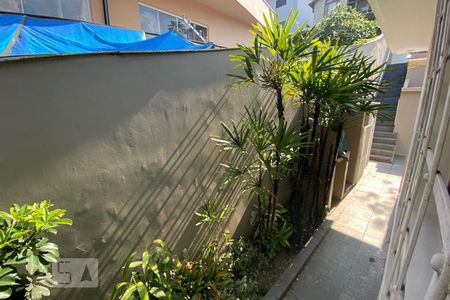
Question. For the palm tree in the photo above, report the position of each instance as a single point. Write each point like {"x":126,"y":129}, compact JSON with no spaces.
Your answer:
{"x":267,"y":63}
{"x":333,"y":85}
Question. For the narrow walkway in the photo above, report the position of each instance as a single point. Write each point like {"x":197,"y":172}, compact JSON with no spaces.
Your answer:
{"x":348,"y":264}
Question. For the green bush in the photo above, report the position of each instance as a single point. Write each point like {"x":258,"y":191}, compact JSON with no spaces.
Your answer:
{"x":215,"y":274}
{"x":346,"y":26}
{"x":25,"y":251}
{"x":162,"y":275}
{"x":269,"y":149}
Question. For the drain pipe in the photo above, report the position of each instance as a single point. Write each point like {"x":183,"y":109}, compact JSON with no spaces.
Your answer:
{"x":106,"y":12}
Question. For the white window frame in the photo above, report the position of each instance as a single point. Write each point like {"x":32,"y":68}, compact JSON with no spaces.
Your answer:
{"x":422,"y":168}
{"x":173,"y":15}
{"x":60,"y":11}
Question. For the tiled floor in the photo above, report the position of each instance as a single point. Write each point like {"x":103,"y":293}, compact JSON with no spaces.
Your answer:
{"x":349,"y":262}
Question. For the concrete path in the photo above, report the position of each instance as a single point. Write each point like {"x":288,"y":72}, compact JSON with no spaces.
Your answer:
{"x":349,"y":262}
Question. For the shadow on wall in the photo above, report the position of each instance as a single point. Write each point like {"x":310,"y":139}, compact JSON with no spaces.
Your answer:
{"x":123,"y":143}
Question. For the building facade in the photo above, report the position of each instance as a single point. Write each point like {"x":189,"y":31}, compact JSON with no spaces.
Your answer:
{"x":283,"y":7}
{"x":224,"y":23}
{"x":418,"y":259}
{"x":322,"y":8}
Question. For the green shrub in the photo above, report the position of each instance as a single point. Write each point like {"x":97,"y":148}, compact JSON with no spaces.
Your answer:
{"x":229,"y":273}
{"x":346,"y":26}
{"x":268,"y":150}
{"x":162,"y":275}
{"x":25,"y":251}
{"x":246,"y":257}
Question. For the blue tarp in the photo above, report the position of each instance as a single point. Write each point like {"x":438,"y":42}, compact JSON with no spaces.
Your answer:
{"x":24,"y":35}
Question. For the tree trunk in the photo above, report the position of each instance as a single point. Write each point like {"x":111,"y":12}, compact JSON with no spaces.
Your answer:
{"x":319,"y":180}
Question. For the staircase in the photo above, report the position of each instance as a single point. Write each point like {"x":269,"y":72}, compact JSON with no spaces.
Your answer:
{"x":384,"y":139}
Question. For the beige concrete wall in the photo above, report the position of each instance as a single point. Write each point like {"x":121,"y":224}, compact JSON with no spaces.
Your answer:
{"x":224,"y":28}
{"x":404,"y":120}
{"x":258,"y":8}
{"x":359,"y":131}
{"x":376,"y":48}
{"x":97,"y":11}
{"x":123,"y":143}
{"x":416,"y":72}
{"x":407,"y":24}
{"x":408,"y":105}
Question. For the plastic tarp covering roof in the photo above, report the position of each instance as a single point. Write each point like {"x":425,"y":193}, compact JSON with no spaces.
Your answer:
{"x":24,"y":35}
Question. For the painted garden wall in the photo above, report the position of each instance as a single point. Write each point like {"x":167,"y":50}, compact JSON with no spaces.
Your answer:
{"x":123,"y":143}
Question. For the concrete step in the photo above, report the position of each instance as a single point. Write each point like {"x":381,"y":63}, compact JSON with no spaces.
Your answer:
{"x":385,"y":122}
{"x":381,"y":158}
{"x":387,"y":99}
{"x":390,"y":107}
{"x":381,"y":146}
{"x":384,"y":128}
{"x":384,"y":140}
{"x":382,"y":134}
{"x":378,"y":152}
{"x":390,"y":111}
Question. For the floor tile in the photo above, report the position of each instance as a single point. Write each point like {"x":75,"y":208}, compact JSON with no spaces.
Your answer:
{"x":349,"y":262}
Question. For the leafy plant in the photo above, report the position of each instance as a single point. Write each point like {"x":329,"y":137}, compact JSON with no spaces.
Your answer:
{"x":162,"y":275}
{"x":331,"y":83}
{"x":267,"y":63}
{"x":278,"y":240}
{"x":209,"y":212}
{"x":268,"y":60}
{"x":247,"y":261}
{"x":25,"y":251}
{"x":346,"y":25}
{"x":332,"y":86}
{"x":268,"y":152}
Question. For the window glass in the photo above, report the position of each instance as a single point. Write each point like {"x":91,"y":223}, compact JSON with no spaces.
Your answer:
{"x":202,"y":31}
{"x":280,"y":3}
{"x":188,"y":32}
{"x":67,"y":9}
{"x":363,"y":6}
{"x":149,"y":19}
{"x":329,"y":5}
{"x":10,"y":5}
{"x":76,"y":10}
{"x":154,"y":21}
{"x":167,"y":22}
{"x":49,"y":8}
{"x":182,"y":28}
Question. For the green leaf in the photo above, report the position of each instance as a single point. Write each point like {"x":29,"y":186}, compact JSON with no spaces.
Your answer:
{"x":128,"y":293}
{"x":4,"y":271}
{"x":5,"y":292}
{"x":158,"y":293}
{"x":7,"y":281}
{"x":33,"y":263}
{"x":48,"y":247}
{"x":142,"y":290}
{"x":38,"y":292}
{"x":50,"y":257}
{"x":65,"y":221}
{"x":135,"y":264}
